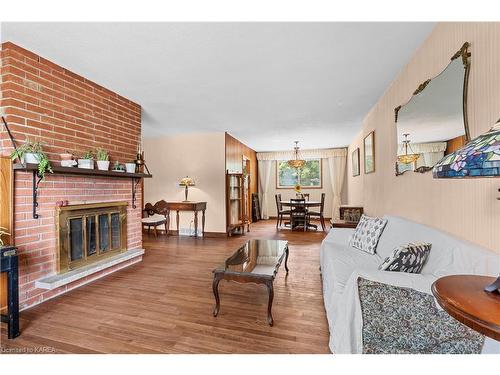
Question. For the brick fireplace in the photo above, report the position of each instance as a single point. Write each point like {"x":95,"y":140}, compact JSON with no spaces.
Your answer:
{"x":65,"y":111}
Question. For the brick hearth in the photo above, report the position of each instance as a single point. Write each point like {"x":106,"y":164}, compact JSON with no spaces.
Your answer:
{"x":65,"y":111}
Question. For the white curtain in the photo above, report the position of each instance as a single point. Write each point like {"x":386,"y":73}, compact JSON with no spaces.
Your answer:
{"x":306,"y":154}
{"x":431,"y":158}
{"x":264,"y":182}
{"x":337,"y":166}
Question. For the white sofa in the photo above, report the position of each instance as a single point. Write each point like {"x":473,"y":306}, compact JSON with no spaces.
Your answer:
{"x":342,"y":265}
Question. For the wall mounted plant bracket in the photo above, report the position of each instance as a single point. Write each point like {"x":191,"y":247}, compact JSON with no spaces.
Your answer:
{"x":36,"y":182}
{"x":135,"y":182}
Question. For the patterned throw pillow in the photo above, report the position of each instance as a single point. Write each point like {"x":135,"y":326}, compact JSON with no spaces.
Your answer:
{"x":367,"y":233}
{"x":407,"y":258}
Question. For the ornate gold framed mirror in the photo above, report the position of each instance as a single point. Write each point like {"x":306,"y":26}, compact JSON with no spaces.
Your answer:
{"x":433,"y":122}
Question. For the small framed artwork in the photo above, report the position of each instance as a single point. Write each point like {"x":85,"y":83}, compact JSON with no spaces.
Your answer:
{"x":355,"y":162}
{"x":369,"y":152}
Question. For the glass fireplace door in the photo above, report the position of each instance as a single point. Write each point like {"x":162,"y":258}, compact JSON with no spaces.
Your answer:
{"x":86,"y":236}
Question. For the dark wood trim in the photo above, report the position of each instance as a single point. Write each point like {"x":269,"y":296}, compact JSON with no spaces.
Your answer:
{"x":275,"y":217}
{"x":174,"y":232}
{"x":216,"y":234}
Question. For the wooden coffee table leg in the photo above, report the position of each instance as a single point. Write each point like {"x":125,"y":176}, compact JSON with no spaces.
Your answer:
{"x":215,"y":288}
{"x":286,"y":259}
{"x":269,"y":285}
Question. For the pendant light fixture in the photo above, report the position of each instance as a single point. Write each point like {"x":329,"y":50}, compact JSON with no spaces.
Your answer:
{"x":407,"y":158}
{"x":297,"y":162}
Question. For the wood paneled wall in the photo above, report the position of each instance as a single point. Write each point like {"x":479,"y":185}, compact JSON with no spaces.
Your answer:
{"x":235,"y":150}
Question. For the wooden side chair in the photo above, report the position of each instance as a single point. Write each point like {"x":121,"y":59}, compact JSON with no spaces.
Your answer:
{"x":280,"y":211}
{"x":154,"y":216}
{"x":298,"y":213}
{"x":321,"y":213}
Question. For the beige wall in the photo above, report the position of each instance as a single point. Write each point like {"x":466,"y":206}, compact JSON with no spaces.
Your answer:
{"x":466,"y":208}
{"x":315,"y":194}
{"x":199,"y":155}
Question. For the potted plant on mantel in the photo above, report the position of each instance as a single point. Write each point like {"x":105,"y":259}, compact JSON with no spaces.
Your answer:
{"x":86,"y":161}
{"x":32,"y":153}
{"x":102,"y":157}
{"x":130,"y":167}
{"x":118,"y":167}
{"x":67,"y":159}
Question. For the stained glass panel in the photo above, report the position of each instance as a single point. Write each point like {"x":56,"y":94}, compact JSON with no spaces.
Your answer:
{"x":478,"y":158}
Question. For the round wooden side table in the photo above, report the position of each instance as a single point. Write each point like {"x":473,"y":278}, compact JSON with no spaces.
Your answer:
{"x":463,"y":297}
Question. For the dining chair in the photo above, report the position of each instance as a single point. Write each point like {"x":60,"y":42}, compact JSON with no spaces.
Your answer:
{"x":298,"y":213}
{"x":321,"y":212}
{"x":280,"y":211}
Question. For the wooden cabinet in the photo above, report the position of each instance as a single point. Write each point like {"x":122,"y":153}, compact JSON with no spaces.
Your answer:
{"x":235,"y":203}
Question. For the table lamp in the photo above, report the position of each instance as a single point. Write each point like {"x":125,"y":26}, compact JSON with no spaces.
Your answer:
{"x":478,"y":158}
{"x":186,"y":181}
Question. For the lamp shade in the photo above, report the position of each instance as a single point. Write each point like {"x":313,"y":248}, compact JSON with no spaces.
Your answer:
{"x":187,"y":181}
{"x":478,"y":158}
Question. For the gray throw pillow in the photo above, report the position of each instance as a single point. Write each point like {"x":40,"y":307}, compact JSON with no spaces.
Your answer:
{"x":407,"y":258}
{"x":367,"y":233}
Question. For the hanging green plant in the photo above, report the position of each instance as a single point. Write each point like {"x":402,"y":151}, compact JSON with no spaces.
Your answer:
{"x":44,"y":165}
{"x":36,"y":149}
{"x":26,"y":148}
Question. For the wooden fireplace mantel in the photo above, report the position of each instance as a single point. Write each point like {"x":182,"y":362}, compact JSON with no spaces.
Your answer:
{"x":75,"y":171}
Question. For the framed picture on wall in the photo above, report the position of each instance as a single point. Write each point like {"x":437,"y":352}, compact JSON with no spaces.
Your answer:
{"x":369,"y":152}
{"x":355,"y":162}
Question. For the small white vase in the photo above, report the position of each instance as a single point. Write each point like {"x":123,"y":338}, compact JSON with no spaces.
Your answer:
{"x":103,"y":165}
{"x":31,"y":158}
{"x":86,"y":163}
{"x":130,"y":167}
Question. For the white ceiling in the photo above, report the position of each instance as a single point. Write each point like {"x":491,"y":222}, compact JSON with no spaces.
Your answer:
{"x":267,"y":84}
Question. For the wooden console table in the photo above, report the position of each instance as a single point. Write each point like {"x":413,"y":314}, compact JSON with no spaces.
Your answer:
{"x":189,"y":206}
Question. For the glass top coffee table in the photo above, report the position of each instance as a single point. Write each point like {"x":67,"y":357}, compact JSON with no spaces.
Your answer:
{"x":257,"y":262}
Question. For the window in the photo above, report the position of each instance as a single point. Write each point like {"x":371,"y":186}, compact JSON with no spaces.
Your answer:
{"x":310,"y":175}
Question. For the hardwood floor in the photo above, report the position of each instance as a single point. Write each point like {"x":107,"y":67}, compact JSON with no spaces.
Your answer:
{"x":164,"y":304}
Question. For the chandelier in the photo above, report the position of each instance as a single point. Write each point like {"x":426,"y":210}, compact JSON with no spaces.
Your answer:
{"x":296,"y":162}
{"x":407,"y":158}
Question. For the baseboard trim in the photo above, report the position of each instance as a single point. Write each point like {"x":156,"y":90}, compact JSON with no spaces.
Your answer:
{"x":315,"y":219}
{"x":173,"y":232}
{"x":215,"y":234}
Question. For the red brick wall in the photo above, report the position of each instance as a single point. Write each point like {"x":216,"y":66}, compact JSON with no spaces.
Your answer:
{"x":65,"y":111}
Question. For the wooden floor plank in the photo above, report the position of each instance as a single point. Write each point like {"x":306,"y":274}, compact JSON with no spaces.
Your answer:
{"x":164,"y":304}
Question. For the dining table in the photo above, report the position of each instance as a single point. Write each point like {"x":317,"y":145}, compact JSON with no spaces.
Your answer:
{"x":307,"y":204}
